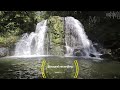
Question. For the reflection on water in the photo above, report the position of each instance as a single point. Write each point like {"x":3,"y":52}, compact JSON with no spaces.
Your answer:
{"x":29,"y":68}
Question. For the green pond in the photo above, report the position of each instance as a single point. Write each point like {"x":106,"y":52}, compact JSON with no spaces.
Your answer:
{"x":30,"y":68}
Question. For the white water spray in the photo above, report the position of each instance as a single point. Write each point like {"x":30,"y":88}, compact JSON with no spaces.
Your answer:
{"x":32,"y":44}
{"x":76,"y":38}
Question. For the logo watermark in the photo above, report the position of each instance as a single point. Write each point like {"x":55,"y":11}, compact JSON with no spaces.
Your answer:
{"x":94,"y":19}
{"x":113,"y":15}
{"x":58,"y":70}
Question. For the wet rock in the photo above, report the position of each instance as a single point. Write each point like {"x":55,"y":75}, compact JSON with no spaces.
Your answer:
{"x":4,"y":51}
{"x":76,"y":52}
{"x":11,"y":50}
{"x":106,"y":56}
{"x":92,"y":55}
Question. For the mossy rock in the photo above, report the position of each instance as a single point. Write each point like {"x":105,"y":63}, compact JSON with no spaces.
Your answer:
{"x":56,"y":34}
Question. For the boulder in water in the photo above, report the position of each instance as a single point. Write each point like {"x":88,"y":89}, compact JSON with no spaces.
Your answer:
{"x":76,"y":52}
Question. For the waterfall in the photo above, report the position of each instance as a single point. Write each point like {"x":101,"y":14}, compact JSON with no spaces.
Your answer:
{"x":32,"y":44}
{"x":76,"y":39}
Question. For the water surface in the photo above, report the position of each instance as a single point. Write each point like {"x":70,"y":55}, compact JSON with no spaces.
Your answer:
{"x":29,"y":68}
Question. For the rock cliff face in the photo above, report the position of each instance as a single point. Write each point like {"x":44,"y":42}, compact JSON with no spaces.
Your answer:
{"x":4,"y":51}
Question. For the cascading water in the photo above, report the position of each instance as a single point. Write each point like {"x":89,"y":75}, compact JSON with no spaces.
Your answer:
{"x":32,"y":44}
{"x":76,"y":39}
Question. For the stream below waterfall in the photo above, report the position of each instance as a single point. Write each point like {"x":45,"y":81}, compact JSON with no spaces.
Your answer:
{"x":29,"y":68}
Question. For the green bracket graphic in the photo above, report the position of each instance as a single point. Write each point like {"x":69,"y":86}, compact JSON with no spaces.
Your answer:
{"x":44,"y":63}
{"x":42,"y":68}
{"x":77,"y":69}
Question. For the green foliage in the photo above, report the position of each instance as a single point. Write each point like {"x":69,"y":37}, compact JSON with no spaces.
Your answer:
{"x":9,"y":38}
{"x":15,"y":23}
{"x":11,"y":20}
{"x":41,"y":15}
{"x":56,"y":28}
{"x":8,"y":41}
